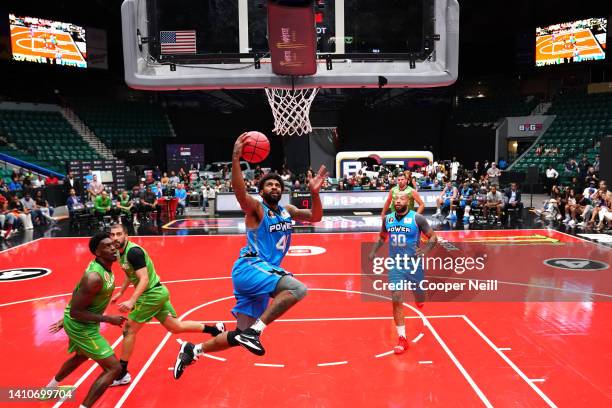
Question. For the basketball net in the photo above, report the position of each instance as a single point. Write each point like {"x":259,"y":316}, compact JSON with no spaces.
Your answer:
{"x":291,"y":110}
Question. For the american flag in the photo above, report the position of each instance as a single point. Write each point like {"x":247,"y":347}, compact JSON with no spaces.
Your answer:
{"x":178,"y":42}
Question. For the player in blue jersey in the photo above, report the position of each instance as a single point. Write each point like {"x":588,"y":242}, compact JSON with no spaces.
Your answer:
{"x":466,"y":200}
{"x":447,"y":198}
{"x":257,"y":275}
{"x":404,"y":227}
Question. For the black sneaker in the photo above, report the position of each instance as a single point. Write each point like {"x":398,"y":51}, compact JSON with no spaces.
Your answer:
{"x":249,"y":339}
{"x":185,"y":357}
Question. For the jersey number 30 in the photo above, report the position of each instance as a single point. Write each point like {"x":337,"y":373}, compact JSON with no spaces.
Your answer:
{"x":398,"y":240}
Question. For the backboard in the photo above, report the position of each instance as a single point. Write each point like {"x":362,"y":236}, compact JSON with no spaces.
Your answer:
{"x":360,"y":43}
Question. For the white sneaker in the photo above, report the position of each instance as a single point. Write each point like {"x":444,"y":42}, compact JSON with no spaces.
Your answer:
{"x":566,"y":220}
{"x":122,"y":381}
{"x":3,"y":234}
{"x":558,"y":217}
{"x":571,"y":223}
{"x":136,"y":222}
{"x":581,"y":224}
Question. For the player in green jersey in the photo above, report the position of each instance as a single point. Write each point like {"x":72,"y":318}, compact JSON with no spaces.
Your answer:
{"x":403,"y":181}
{"x":82,"y":319}
{"x":149,"y":300}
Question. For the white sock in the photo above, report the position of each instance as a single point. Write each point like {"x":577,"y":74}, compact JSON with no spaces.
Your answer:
{"x":198,"y":350}
{"x":258,"y":326}
{"x":401,"y":331}
{"x":82,"y":406}
{"x":53,"y":383}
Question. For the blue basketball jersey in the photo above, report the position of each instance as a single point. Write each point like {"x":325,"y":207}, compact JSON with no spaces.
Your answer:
{"x":404,"y":234}
{"x":449,"y":193}
{"x":270,"y":241}
{"x":466,"y":192}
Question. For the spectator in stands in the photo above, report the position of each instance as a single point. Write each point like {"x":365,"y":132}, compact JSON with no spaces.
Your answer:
{"x":454,"y":169}
{"x":181,"y":194}
{"x":174,"y":179}
{"x":102,"y":204}
{"x":513,"y":199}
{"x":15,"y":185}
{"x":551,"y":177}
{"x":493,"y":174}
{"x":95,"y":188}
{"x":27,"y":182}
{"x":183,"y":176}
{"x":209,"y":201}
{"x":72,"y":201}
{"x":591,"y":175}
{"x":7,"y":219}
{"x":3,"y":186}
{"x":165,"y":181}
{"x":569,"y":168}
{"x":30,"y":205}
{"x":596,"y":164}
{"x":44,"y":209}
{"x":156,"y":173}
{"x":125,"y":206}
{"x":72,"y":183}
{"x":39,"y":182}
{"x":494,"y":200}
{"x":149,"y":204}
{"x":538,"y":150}
{"x":570,"y":202}
{"x":599,"y":201}
{"x":583,"y":166}
{"x":575,"y":184}
{"x":21,"y":213}
{"x":51,"y":180}
{"x":158,"y":189}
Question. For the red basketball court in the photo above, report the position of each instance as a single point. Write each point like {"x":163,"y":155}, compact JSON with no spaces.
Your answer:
{"x":334,"y":348}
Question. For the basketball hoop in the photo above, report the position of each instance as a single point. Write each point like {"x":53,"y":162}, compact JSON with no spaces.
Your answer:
{"x":291,"y":110}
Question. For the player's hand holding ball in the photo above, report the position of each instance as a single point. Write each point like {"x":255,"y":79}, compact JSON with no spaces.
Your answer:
{"x":253,"y":146}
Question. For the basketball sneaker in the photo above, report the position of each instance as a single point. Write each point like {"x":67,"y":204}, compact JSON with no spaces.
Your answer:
{"x":249,"y":339}
{"x":186,"y":356}
{"x":402,"y":345}
{"x":122,"y":381}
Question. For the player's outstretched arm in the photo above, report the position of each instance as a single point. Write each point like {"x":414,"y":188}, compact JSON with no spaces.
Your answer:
{"x":247,"y":203}
{"x":315,"y":213}
{"x":90,"y":286}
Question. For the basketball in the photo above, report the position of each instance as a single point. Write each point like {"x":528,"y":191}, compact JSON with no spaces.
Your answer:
{"x":256,"y":147}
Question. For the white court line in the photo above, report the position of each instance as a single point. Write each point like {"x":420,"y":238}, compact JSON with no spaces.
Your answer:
{"x":136,"y":380}
{"x":426,"y":362}
{"x":386,"y":353}
{"x":214,"y":357}
{"x":510,"y":363}
{"x":269,"y":365}
{"x":20,"y":245}
{"x":87,"y":374}
{"x":533,"y":380}
{"x":504,"y":348}
{"x":467,"y":376}
{"x":417,"y":338}
{"x":333,"y":319}
{"x":332,"y":364}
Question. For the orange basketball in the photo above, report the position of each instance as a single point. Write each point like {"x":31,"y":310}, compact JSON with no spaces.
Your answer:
{"x":256,"y":147}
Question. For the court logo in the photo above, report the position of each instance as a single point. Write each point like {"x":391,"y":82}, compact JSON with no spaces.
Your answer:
{"x":11,"y":275}
{"x":576,"y":264}
{"x":305,"y":250}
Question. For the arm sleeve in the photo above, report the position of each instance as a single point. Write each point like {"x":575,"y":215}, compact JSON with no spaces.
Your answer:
{"x":136,"y":258}
{"x":421,"y":221}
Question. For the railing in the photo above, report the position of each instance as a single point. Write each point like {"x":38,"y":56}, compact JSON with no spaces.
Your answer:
{"x":29,"y":166}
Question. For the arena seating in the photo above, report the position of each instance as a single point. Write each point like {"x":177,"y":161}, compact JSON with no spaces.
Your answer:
{"x":487,"y":111}
{"x":123,"y":125}
{"x":43,"y":138}
{"x":581,"y":122}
